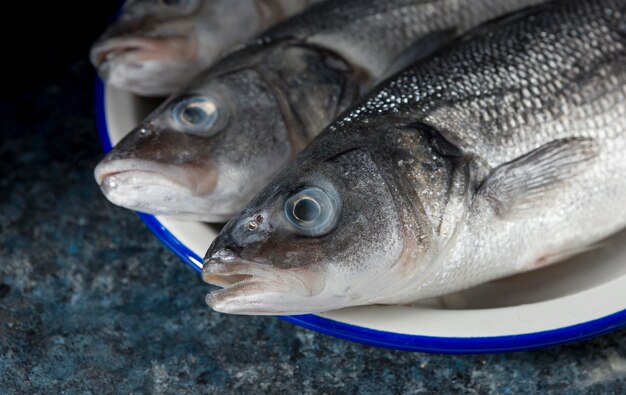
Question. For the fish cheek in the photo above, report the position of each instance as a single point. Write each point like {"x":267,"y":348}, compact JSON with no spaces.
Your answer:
{"x":256,"y":142}
{"x":263,"y":233}
{"x":170,"y":147}
{"x":368,"y":238}
{"x":288,"y":251}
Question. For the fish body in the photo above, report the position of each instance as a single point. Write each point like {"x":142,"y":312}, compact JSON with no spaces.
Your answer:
{"x":261,"y":104}
{"x":155,"y":47}
{"x":503,"y":153}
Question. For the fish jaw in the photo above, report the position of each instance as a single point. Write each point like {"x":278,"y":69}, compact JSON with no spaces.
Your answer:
{"x":147,"y":66}
{"x":154,"y":188}
{"x":251,"y":288}
{"x":350,"y":265}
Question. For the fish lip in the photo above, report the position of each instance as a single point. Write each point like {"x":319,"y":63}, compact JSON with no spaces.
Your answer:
{"x":113,"y":184}
{"x":102,"y":174}
{"x":245,"y":283}
{"x":102,"y":178}
{"x":216,"y":272}
{"x":170,"y":175}
{"x":103,"y":50}
{"x":112,"y":176}
{"x":221,"y":266}
{"x":117,"y":48}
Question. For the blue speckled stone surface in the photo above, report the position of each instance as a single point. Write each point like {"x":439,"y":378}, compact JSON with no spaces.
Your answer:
{"x":90,"y":302}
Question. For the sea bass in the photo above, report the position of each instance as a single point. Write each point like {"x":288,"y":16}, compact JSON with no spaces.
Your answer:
{"x":206,"y":151}
{"x":503,"y":153}
{"x":156,"y":46}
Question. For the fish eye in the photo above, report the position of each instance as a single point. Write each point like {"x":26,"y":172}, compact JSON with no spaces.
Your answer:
{"x":306,"y":209}
{"x":312,"y":211}
{"x":198,"y":115}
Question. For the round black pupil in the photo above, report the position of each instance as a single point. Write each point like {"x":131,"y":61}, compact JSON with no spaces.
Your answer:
{"x":194,"y":115}
{"x":306,"y":210}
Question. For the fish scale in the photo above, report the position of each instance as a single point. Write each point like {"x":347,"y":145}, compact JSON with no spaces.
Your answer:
{"x":566,"y":81}
{"x":155,"y":47}
{"x":389,"y":25}
{"x":539,"y":80}
{"x":502,"y":153}
{"x":271,"y":98}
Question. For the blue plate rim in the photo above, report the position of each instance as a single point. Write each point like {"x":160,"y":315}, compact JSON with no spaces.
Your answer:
{"x":372,"y":337}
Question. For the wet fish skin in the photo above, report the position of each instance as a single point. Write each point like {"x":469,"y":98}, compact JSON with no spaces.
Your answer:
{"x":162,"y":170}
{"x":501,"y":154}
{"x":155,"y":47}
{"x":278,"y":93}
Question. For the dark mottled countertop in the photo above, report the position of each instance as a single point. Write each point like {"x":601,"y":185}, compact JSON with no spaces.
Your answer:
{"x":91,"y":302}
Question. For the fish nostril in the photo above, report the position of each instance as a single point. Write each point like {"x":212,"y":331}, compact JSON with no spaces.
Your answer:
{"x":253,"y":224}
{"x":144,"y":132}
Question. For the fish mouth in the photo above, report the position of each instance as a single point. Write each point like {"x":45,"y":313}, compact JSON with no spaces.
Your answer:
{"x":251,"y":288}
{"x":225,"y":275}
{"x":137,"y":50}
{"x":159,"y":189}
{"x":192,"y":191}
{"x":198,"y":181}
{"x":182,"y":191}
{"x":111,"y":181}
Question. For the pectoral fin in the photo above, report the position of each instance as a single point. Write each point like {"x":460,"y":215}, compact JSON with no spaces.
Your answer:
{"x":522,"y":184}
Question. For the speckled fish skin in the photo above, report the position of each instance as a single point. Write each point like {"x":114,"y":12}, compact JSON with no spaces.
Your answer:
{"x":501,"y":154}
{"x":155,"y":47}
{"x":277,"y":93}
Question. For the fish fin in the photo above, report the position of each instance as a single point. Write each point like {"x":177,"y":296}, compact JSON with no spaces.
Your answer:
{"x":518,"y":186}
{"x":420,"y":49}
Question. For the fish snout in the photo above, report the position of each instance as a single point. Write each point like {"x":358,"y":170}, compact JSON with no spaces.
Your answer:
{"x":147,"y":66}
{"x":136,"y":50}
{"x":223,"y":249}
{"x":224,"y":254}
{"x":108,"y":49}
{"x":216,"y":269}
{"x":223,"y":267}
{"x":253,"y":284}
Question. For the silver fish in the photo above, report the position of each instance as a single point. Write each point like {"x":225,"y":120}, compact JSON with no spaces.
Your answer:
{"x":155,"y":47}
{"x":206,"y":151}
{"x":501,"y":154}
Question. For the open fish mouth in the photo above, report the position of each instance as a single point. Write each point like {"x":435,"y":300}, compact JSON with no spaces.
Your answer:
{"x":253,"y":288}
{"x":227,"y":274}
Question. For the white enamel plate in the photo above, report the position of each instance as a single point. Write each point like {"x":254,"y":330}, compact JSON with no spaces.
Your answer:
{"x":576,"y":299}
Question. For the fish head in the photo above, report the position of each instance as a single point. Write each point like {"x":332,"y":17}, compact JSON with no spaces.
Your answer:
{"x":155,"y":46}
{"x":324,"y":235}
{"x":203,"y":153}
